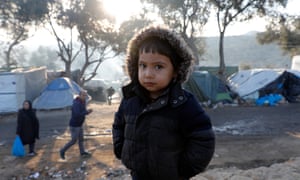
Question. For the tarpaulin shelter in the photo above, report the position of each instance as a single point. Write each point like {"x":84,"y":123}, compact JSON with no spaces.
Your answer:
{"x":247,"y":82}
{"x":296,"y":63}
{"x":257,"y":83}
{"x":20,"y":85}
{"x":287,"y":84}
{"x":59,"y":93}
{"x":207,"y":87}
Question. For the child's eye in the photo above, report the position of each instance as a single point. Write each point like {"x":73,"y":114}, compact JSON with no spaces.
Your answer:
{"x":141,"y":65}
{"x":158,"y":67}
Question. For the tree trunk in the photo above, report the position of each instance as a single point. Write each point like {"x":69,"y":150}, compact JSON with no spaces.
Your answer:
{"x":9,"y":50}
{"x":68,"y":69}
{"x":221,"y":55}
{"x":7,"y":60}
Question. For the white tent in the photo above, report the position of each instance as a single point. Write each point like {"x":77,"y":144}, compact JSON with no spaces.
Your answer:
{"x":246,"y":82}
{"x":17,"y":86}
{"x":296,"y":63}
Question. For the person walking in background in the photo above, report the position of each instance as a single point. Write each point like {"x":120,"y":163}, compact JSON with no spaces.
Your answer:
{"x":110,"y":93}
{"x":79,"y":112}
{"x":160,"y":130}
{"x":28,"y":126}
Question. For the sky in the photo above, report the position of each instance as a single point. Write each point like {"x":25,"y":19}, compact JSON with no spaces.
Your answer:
{"x":122,"y":10}
{"x":256,"y":24}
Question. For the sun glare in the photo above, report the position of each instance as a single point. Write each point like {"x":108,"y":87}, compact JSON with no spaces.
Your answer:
{"x":122,"y":10}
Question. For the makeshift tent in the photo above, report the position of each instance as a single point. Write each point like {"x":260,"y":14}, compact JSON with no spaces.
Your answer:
{"x":58,"y":94}
{"x":296,"y":63}
{"x":19,"y":85}
{"x":247,"y":82}
{"x":257,"y":83}
{"x":287,"y":84}
{"x":207,"y":87}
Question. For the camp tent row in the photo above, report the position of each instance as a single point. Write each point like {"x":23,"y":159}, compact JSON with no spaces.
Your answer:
{"x":15,"y":87}
{"x":245,"y":84}
{"x":31,"y":84}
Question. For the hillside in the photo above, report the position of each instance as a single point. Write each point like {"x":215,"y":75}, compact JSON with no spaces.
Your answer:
{"x":245,"y":51}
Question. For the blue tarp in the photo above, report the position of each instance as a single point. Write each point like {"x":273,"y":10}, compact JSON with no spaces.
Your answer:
{"x":271,"y":100}
{"x":59,"y":93}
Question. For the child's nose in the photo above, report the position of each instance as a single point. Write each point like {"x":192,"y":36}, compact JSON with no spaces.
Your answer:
{"x":148,"y":72}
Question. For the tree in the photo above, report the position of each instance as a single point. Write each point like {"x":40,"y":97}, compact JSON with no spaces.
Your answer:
{"x":87,"y":31}
{"x":44,"y":56}
{"x":187,"y":17}
{"x":229,"y":11}
{"x":129,"y":28}
{"x":285,"y":31}
{"x":17,"y":17}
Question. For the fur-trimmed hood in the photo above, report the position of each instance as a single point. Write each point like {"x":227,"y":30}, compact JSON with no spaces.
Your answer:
{"x":178,"y":44}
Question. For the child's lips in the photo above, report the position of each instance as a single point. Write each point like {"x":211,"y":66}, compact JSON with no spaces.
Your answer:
{"x":149,"y":84}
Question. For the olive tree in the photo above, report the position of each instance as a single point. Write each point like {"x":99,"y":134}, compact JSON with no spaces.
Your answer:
{"x":84,"y":34}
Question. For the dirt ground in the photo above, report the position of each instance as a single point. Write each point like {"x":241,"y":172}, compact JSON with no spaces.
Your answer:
{"x":247,"y":137}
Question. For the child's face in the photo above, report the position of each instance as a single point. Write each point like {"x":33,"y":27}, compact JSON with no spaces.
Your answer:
{"x":155,"y":72}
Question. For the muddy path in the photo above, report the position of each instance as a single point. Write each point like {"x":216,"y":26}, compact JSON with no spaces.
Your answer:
{"x":247,"y":137}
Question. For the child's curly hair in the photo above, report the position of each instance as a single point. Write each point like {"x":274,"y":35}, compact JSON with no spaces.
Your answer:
{"x":158,"y":39}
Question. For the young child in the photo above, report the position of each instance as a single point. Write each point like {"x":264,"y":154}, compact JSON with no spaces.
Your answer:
{"x":160,"y":131}
{"x":28,"y":126}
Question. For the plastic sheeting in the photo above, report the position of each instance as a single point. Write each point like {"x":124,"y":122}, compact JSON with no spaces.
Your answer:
{"x":258,"y":83}
{"x":246,"y":82}
{"x":15,"y":87}
{"x":296,"y":63}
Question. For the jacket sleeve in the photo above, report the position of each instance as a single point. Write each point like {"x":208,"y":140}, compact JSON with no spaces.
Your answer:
{"x":36,"y":126}
{"x":199,"y":139}
{"x":79,"y":109}
{"x":118,"y":130}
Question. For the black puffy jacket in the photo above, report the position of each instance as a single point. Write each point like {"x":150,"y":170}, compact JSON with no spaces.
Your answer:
{"x":171,"y":138}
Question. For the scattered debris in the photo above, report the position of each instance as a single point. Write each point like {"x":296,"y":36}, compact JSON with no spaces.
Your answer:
{"x":34,"y":175}
{"x":118,"y":173}
{"x":2,"y":143}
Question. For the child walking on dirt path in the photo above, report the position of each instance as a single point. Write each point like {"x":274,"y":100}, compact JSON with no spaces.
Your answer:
{"x":79,"y":112}
{"x":160,"y":131}
{"x":28,"y":126}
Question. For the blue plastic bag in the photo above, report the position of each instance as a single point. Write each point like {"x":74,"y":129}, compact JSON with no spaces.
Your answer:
{"x":18,"y":147}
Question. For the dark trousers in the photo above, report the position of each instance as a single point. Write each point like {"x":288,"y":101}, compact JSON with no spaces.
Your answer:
{"x":76,"y":135}
{"x":31,"y":148}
